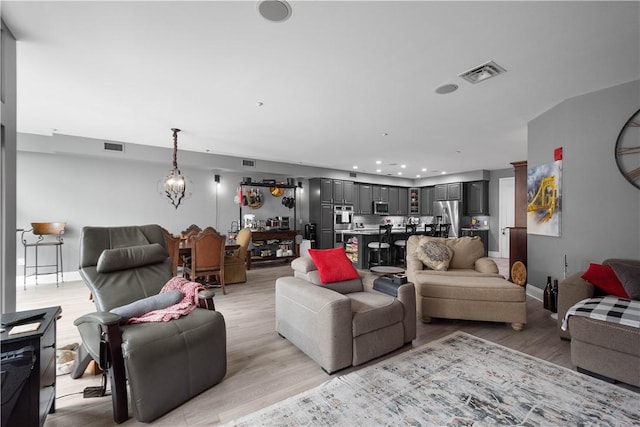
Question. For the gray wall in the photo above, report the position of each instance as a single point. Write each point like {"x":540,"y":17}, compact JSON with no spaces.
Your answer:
{"x":600,"y":209}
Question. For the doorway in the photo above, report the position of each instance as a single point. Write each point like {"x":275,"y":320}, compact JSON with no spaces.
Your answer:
{"x":507,"y":212}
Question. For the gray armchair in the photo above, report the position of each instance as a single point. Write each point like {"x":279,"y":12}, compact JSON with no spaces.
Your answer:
{"x":165,"y":363}
{"x":342,"y":323}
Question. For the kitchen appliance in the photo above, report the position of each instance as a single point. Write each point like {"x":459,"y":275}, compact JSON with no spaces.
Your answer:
{"x":449,"y":212}
{"x":310,"y":234}
{"x":250,"y":221}
{"x":284,"y":222}
{"x":380,"y":208}
{"x":342,"y":217}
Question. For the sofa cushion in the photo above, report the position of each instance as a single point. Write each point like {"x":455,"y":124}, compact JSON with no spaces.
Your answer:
{"x":146,"y":305}
{"x":603,"y":277}
{"x":373,"y":311}
{"x":434,"y":254}
{"x":333,"y":265}
{"x":131,"y":257}
{"x":303,"y":264}
{"x":629,"y":276}
{"x":472,"y":288}
{"x":466,"y":250}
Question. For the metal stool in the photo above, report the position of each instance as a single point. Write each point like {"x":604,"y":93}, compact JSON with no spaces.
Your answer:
{"x":43,"y":229}
{"x":376,"y":248}
{"x":401,"y":245}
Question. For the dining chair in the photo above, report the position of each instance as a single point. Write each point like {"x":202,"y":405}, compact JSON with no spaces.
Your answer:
{"x":236,"y":264}
{"x":173,"y":247}
{"x":207,"y":257}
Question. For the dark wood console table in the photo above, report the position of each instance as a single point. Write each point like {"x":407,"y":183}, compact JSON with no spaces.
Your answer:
{"x":265,"y":244}
{"x":37,"y":398}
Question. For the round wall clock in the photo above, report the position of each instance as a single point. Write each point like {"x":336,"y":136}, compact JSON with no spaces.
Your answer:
{"x":628,"y":150}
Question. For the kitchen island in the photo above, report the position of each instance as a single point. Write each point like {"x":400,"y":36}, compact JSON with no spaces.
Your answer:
{"x":355,"y":243}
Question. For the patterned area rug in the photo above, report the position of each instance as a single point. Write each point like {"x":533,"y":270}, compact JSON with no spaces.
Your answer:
{"x":460,"y":380}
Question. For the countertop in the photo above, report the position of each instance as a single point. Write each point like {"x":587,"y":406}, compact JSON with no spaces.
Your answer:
{"x":371,"y":231}
{"x":475,"y":229}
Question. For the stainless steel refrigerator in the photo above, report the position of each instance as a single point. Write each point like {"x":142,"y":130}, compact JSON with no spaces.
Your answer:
{"x":448,"y":212}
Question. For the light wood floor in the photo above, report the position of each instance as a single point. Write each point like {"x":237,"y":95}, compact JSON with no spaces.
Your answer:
{"x":263,"y":368}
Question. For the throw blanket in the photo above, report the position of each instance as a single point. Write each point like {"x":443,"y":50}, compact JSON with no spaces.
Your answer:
{"x":610,"y":309}
{"x":187,"y":305}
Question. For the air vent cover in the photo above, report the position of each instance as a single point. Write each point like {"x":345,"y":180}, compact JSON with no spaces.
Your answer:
{"x":353,"y":174}
{"x":482,"y":72}
{"x":249,"y":163}
{"x":110,"y":146}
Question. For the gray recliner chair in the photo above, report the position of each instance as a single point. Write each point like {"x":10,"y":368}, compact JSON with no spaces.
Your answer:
{"x":165,"y":363}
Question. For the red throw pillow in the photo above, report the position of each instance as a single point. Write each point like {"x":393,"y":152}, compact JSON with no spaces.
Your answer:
{"x":333,"y":265}
{"x":603,"y":277}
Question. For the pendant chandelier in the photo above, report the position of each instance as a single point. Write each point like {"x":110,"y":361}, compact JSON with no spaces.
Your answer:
{"x":176,"y":186}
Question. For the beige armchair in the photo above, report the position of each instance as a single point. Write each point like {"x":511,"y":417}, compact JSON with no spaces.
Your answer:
{"x":235,"y":265}
{"x":343,"y":323}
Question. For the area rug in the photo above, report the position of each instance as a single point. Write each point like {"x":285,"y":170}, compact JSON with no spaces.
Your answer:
{"x":459,"y":380}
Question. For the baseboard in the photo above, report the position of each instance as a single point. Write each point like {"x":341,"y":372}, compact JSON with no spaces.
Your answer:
{"x":69,"y":276}
{"x":534,"y":292}
{"x":494,"y":254}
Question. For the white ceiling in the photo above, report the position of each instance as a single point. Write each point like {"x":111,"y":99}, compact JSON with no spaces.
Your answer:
{"x":333,"y":78}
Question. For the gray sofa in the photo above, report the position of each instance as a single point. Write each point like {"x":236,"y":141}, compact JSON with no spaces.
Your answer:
{"x":343,"y":323}
{"x":471,"y":288}
{"x":598,"y":347}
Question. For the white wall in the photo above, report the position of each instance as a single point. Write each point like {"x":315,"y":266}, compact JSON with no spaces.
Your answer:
{"x":600,"y":209}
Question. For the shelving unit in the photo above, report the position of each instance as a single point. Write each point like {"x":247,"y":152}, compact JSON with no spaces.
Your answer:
{"x":351,"y":249}
{"x":270,"y":185}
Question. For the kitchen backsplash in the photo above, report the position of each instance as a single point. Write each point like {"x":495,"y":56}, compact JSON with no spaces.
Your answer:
{"x":373,"y":221}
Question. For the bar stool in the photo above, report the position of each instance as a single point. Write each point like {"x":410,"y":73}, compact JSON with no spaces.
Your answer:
{"x":376,"y":248}
{"x":42,"y":230}
{"x":401,"y":244}
{"x":444,"y":230}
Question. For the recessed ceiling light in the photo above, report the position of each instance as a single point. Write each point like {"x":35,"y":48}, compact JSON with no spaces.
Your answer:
{"x":399,"y":173}
{"x":274,"y":10}
{"x":424,"y":169}
{"x":355,"y":167}
{"x":403,"y":166}
{"x":259,"y":104}
{"x":385,"y":134}
{"x":445,"y":89}
{"x":378,"y":170}
{"x":378,"y":162}
{"x":443,"y":173}
{"x":418,"y":176}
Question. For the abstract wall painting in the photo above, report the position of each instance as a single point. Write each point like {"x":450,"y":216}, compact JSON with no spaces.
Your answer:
{"x":544,"y":199}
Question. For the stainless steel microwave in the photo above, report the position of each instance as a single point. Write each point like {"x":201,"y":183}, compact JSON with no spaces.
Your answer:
{"x":380,"y":208}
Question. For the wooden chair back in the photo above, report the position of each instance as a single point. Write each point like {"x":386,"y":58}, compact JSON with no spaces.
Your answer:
{"x":207,"y":255}
{"x":48,"y":228}
{"x":173,"y":247}
{"x":243,"y":240}
{"x":187,"y":234}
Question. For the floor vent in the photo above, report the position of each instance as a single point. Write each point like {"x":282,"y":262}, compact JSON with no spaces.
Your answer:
{"x":482,"y":72}
{"x":249,"y":163}
{"x":110,"y":146}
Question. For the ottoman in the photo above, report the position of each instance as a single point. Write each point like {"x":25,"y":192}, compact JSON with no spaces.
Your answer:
{"x":492,"y":299}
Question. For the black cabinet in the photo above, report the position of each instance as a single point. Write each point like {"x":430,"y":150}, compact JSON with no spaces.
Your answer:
{"x":348,"y":192}
{"x":483,"y":234}
{"x":326,"y":190}
{"x":427,"y":196}
{"x":476,"y":198}
{"x":333,"y":191}
{"x":450,"y":191}
{"x":37,"y":398}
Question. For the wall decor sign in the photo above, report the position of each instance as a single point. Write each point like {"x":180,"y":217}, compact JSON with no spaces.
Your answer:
{"x":627,"y":152}
{"x":544,"y":201}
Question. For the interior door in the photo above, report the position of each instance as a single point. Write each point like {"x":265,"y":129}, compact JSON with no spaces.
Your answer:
{"x":507,"y":213}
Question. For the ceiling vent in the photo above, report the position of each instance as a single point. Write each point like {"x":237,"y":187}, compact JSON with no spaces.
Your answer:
{"x":353,"y":175}
{"x":249,"y":163}
{"x":111,"y":146}
{"x":482,"y":72}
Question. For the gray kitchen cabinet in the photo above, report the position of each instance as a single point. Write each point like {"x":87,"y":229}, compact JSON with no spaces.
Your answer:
{"x":348,"y":193}
{"x":337,"y":194}
{"x":450,"y":191}
{"x":403,"y":201}
{"x":326,"y":189}
{"x":394,"y":203}
{"x":365,"y":199}
{"x":427,"y":196}
{"x":414,"y":201}
{"x":380,"y":193}
{"x":476,"y":198}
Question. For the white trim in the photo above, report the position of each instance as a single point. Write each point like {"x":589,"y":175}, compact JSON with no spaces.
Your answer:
{"x":44,"y":279}
{"x":493,"y":254}
{"x":534,"y":292}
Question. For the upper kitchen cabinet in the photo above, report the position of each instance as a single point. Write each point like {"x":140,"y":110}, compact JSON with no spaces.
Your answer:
{"x":333,"y":190}
{"x":380,"y":193}
{"x":476,"y":198}
{"x":427,"y":196}
{"x":450,"y":191}
{"x":364,"y":205}
{"x":414,"y":201}
{"x":398,"y":201}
